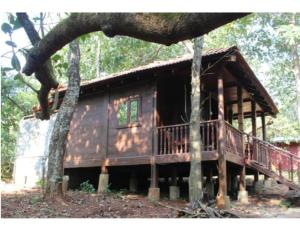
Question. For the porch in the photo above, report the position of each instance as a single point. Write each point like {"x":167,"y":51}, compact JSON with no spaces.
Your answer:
{"x":173,"y":143}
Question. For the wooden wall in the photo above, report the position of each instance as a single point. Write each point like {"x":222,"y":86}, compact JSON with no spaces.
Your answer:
{"x":87,"y":139}
{"x":133,"y":140}
{"x":95,"y":120}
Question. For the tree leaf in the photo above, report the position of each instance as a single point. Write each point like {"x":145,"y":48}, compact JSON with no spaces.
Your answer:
{"x":15,"y":63}
{"x":6,"y":28}
{"x":56,"y":57}
{"x":11,"y":43}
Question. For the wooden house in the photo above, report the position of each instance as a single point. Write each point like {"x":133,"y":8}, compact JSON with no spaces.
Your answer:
{"x":133,"y":126}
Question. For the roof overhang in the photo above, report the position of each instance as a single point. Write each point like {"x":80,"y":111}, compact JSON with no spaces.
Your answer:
{"x":240,"y":69}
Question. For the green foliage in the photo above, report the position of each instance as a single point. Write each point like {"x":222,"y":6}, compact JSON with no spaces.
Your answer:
{"x":17,"y":99}
{"x":266,"y":39}
{"x":35,"y":199}
{"x":87,"y":187}
{"x":6,"y":28}
{"x":285,"y":204}
{"x":40,"y":183}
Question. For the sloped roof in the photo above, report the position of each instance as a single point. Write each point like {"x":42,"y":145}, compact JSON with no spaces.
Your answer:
{"x":158,"y":64}
{"x":211,"y":54}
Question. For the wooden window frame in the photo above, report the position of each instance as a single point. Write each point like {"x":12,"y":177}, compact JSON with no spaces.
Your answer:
{"x":128,"y":102}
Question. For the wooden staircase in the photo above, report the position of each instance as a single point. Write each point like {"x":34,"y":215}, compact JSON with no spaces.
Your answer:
{"x":277,"y":163}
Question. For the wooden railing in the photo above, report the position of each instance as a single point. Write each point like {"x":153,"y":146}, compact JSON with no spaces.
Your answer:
{"x":234,"y":139}
{"x":174,"y":139}
{"x":278,"y":160}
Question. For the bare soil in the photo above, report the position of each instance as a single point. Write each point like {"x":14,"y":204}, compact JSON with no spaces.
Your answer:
{"x":28,"y":203}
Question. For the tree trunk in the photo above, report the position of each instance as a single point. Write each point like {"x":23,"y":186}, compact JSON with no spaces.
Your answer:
{"x":296,"y":69}
{"x":195,"y":179}
{"x":164,"y":28}
{"x":62,"y":124}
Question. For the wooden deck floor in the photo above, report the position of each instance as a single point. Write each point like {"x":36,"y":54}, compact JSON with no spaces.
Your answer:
{"x":170,"y":158}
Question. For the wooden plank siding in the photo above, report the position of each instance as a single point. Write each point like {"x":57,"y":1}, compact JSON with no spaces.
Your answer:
{"x":136,"y":139}
{"x":95,"y":134}
{"x":87,"y":139}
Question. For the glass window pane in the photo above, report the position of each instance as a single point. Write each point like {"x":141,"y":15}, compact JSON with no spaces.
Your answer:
{"x":122,"y":114}
{"x":134,"y":111}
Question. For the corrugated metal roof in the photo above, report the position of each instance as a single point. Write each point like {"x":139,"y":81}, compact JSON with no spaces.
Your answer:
{"x":158,"y":64}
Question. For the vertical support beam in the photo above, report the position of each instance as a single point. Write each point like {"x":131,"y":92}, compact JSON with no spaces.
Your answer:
{"x":133,"y":182}
{"x":254,"y":149}
{"x":154,"y":173}
{"x":230,"y":113}
{"x":103,"y":179}
{"x":222,"y":199}
{"x":154,"y":124}
{"x":174,"y":192}
{"x":263,"y":126}
{"x":174,"y":176}
{"x":253,"y":120}
{"x":154,"y":191}
{"x":242,"y":194}
{"x":210,"y":185}
{"x":264,"y":137}
{"x":253,"y":117}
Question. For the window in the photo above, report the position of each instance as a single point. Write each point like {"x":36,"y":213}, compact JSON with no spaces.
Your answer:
{"x":133,"y":111}
{"x":122,"y":114}
{"x":128,"y":113}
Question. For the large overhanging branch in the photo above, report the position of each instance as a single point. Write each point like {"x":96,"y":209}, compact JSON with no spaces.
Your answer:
{"x":44,"y":72}
{"x":163,"y":28}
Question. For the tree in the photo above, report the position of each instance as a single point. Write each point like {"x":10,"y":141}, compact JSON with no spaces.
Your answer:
{"x":195,"y":179}
{"x":62,"y":124}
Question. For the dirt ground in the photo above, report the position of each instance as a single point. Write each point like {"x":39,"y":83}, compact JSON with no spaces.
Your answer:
{"x":28,"y":203}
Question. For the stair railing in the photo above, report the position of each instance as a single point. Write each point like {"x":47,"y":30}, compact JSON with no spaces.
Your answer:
{"x":282,"y":162}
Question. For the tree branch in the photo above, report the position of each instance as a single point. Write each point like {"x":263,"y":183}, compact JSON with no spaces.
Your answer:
{"x":17,"y":105}
{"x":44,"y":73}
{"x":164,"y":28}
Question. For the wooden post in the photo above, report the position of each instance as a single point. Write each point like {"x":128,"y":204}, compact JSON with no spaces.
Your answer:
{"x":222,"y":193}
{"x":174,"y":176}
{"x":155,"y":132}
{"x":254,"y":149}
{"x":253,"y":117}
{"x":242,"y":183}
{"x":253,"y":120}
{"x":263,"y":126}
{"x":298,"y":173}
{"x":154,"y":173}
{"x":174,"y":191}
{"x":230,"y":114}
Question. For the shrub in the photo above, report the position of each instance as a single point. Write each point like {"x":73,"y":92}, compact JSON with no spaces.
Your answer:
{"x":87,"y":187}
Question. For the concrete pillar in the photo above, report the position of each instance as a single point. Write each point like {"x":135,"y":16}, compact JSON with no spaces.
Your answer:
{"x":65,"y":183}
{"x":103,"y":180}
{"x":154,"y":191}
{"x":103,"y":183}
{"x":174,"y":192}
{"x":243,"y":197}
{"x":210,"y":185}
{"x":154,"y":194}
{"x":210,"y":190}
{"x":133,"y":183}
